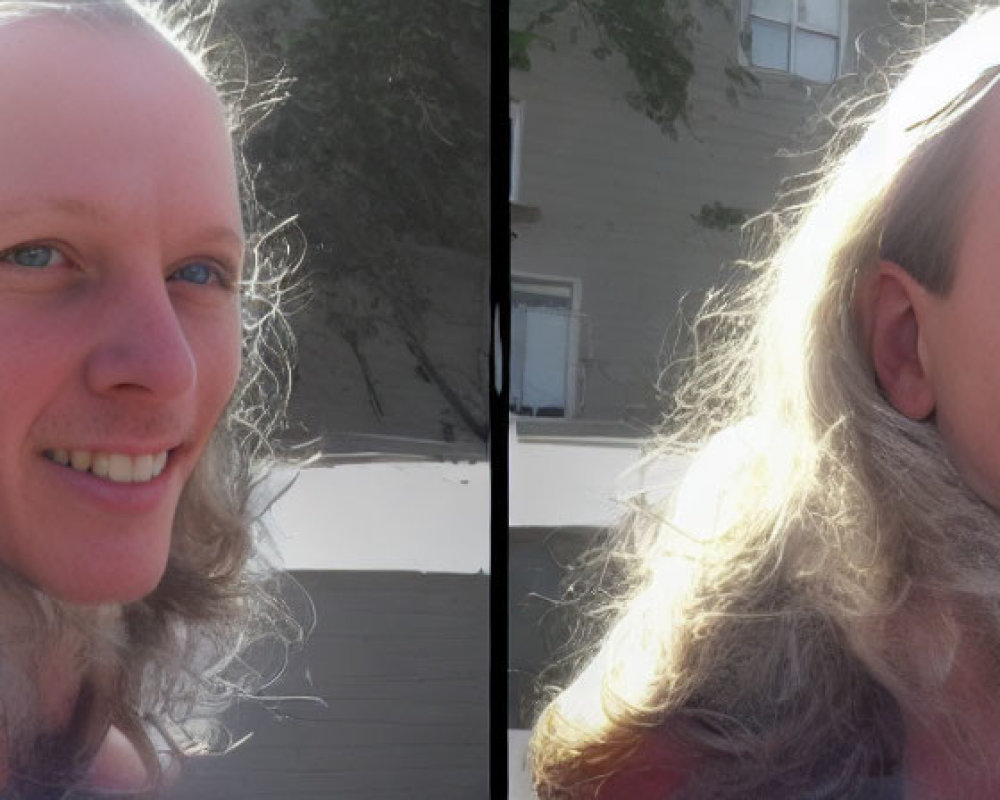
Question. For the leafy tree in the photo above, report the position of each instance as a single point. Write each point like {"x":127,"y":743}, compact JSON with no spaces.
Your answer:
{"x":381,"y":150}
{"x":655,"y":36}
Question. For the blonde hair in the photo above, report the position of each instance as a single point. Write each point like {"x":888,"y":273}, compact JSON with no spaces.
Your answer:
{"x":162,"y":669}
{"x":822,"y":559}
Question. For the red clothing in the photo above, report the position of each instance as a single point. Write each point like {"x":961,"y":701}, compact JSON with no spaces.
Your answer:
{"x":654,"y":772}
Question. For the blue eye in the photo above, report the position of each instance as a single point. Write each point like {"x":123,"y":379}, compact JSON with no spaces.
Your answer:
{"x":197,"y":272}
{"x":33,"y":256}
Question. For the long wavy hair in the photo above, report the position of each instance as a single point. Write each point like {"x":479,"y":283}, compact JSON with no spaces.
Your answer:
{"x":162,"y":669}
{"x":811,"y":581}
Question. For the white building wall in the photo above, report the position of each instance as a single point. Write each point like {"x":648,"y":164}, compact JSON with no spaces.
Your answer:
{"x":583,"y":482}
{"x":411,"y":516}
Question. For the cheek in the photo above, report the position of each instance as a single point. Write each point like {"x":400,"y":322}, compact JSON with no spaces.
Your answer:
{"x":218,"y":358}
{"x":971,"y":435}
{"x":36,"y":364}
{"x":965,"y":374}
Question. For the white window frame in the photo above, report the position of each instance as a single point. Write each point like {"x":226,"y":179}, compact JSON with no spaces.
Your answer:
{"x":561,"y":286}
{"x":793,"y":25}
{"x":516,"y":135}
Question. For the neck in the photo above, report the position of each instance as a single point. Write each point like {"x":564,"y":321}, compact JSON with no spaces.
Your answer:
{"x":944,"y":761}
{"x":47,"y":688}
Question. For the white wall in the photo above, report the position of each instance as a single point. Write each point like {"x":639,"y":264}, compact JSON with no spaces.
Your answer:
{"x":579,"y":482}
{"x":423,"y":517}
{"x":435,"y":517}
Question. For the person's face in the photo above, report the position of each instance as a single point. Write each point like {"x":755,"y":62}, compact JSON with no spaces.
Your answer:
{"x":960,"y":332}
{"x":120,"y":250}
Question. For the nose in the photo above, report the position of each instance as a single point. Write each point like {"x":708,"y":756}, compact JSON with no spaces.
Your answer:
{"x":141,"y":345}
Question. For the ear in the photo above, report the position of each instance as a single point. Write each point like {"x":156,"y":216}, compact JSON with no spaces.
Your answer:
{"x":888,"y":301}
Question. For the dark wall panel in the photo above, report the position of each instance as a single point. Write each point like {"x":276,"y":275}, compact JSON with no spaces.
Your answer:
{"x":401,"y":660}
{"x":541,"y":617}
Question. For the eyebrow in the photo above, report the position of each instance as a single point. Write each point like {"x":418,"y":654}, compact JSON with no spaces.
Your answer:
{"x":221,"y":234}
{"x":81,"y":208}
{"x":67,"y":205}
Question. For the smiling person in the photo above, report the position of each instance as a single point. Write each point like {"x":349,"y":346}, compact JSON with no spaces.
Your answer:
{"x":817,"y":615}
{"x":125,"y":457}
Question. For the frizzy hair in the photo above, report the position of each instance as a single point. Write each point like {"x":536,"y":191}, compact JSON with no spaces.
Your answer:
{"x":163,"y":668}
{"x":822,"y":561}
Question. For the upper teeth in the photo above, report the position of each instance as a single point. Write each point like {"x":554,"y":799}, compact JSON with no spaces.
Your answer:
{"x":117,"y":467}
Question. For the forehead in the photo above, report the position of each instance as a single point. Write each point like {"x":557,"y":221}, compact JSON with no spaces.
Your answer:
{"x":87,"y":100}
{"x":986,"y":149}
{"x":978,"y":231}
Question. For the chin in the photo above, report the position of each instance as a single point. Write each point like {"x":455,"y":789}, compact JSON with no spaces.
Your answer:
{"x":97,"y":581}
{"x":100,"y":594}
{"x":83,"y":592}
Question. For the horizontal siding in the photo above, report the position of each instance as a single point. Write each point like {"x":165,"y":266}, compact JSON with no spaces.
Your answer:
{"x":401,"y":661}
{"x":615,"y":196}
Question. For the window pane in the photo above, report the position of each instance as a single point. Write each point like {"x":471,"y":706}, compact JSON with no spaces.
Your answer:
{"x":815,"y":56}
{"x":545,"y":359}
{"x":820,"y":15}
{"x":769,"y":44}
{"x":548,"y":296}
{"x":778,"y":10}
{"x":539,"y":358}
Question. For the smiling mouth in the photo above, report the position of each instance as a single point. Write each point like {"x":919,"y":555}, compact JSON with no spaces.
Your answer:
{"x":115,"y":467}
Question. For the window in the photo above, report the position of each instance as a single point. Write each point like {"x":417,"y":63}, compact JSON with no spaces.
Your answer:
{"x":798,"y":36}
{"x":516,"y":121}
{"x":543,"y":343}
